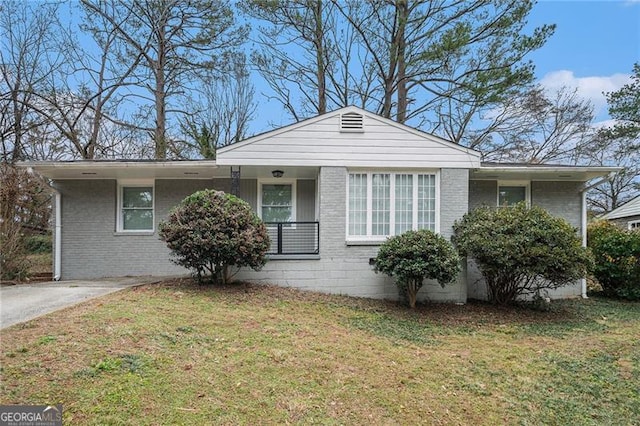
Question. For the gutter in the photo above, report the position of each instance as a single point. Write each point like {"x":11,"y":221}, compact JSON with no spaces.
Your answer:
{"x":583,"y":192}
{"x":57,"y":254}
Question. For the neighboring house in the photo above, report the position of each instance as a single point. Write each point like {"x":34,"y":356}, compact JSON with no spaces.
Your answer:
{"x":626,"y":216}
{"x":332,"y":189}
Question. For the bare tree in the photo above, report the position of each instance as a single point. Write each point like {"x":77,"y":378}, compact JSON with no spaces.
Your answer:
{"x":24,"y":210}
{"x":295,"y":56}
{"x":85,"y":99}
{"x":624,"y":185}
{"x":438,"y":64}
{"x":538,"y":127}
{"x":441,"y":62}
{"x":222,"y":112}
{"x":175,"y":40}
{"x":28,"y":58}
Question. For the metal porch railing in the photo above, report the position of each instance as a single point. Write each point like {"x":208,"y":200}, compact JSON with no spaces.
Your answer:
{"x":294,"y":238}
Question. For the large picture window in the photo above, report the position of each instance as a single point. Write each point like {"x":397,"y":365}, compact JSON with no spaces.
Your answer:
{"x":384,"y":204}
{"x":135,"y":207}
{"x":277,"y":201}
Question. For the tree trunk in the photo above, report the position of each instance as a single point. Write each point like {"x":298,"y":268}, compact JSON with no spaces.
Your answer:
{"x":159,"y":132}
{"x":412,"y":293}
{"x":402,"y":16}
{"x":17,"y":127}
{"x":159,"y":135}
{"x":320,"y":65}
{"x":95,"y":131}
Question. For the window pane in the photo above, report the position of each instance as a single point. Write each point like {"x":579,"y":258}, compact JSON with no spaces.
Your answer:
{"x":138,"y":219}
{"x":427,"y":202}
{"x":380,"y":200}
{"x":357,"y":204}
{"x":137,"y":197}
{"x":277,"y":203}
{"x":510,"y":195}
{"x":276,"y":214}
{"x":276,"y":195}
{"x":404,"y":203}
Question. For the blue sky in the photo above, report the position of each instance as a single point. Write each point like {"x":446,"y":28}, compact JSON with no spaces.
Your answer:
{"x":594,"y":47}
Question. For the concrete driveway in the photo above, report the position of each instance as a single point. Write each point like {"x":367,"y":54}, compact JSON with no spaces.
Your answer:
{"x":23,"y":302}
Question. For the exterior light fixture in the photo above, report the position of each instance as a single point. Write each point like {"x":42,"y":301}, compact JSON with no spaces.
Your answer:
{"x":277,"y":173}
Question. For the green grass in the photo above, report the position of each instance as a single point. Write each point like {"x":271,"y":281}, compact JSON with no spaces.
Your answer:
{"x":178,"y":353}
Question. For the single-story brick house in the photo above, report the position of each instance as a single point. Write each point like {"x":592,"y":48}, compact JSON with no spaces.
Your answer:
{"x":627,"y":216}
{"x":332,"y":188}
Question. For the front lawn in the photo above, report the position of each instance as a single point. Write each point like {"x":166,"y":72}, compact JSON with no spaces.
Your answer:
{"x":177,"y":353}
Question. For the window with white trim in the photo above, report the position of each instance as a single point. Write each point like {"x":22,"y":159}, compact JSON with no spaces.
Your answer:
{"x":633,"y":225}
{"x":513,"y":192}
{"x":135,"y":207}
{"x":277,"y":201}
{"x":384,"y":204}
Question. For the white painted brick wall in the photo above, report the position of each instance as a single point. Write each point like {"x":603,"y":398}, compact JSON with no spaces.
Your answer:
{"x":90,"y":246}
{"x":344,"y":269}
{"x":91,"y":249}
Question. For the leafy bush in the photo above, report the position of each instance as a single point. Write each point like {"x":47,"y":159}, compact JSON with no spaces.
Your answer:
{"x":209,"y":231}
{"x":617,"y":259}
{"x":521,"y":251}
{"x":39,"y":244}
{"x":415,"y":256}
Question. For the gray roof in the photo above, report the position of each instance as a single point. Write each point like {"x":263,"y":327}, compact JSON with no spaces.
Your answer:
{"x":630,"y":208}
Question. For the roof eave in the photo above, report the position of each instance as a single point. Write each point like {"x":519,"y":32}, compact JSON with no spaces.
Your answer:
{"x":547,"y":172}
{"x":116,"y":169}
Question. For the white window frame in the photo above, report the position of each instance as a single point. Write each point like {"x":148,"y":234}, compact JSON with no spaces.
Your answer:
{"x":129,"y":183}
{"x":279,"y":181}
{"x":522,"y":183}
{"x":392,"y":202}
{"x":633,"y":225}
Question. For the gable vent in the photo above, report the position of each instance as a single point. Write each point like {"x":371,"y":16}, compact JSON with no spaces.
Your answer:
{"x":351,"y":122}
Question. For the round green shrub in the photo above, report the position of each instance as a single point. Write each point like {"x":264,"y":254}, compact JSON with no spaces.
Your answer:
{"x":521,"y":251}
{"x":210,"y":231}
{"x":414,"y":256}
{"x":617,"y":259}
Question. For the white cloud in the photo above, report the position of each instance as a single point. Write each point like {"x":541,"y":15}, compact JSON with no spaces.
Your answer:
{"x":592,"y":88}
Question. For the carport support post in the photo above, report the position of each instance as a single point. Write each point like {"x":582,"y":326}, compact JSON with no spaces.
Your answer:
{"x":583,"y":225}
{"x":235,"y":180}
{"x":584,"y":218}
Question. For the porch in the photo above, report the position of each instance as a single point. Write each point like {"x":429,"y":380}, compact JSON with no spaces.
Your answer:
{"x":287,"y":200}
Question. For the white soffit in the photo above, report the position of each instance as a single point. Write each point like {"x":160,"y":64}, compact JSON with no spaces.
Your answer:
{"x":128,"y":169}
{"x":541,"y":173}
